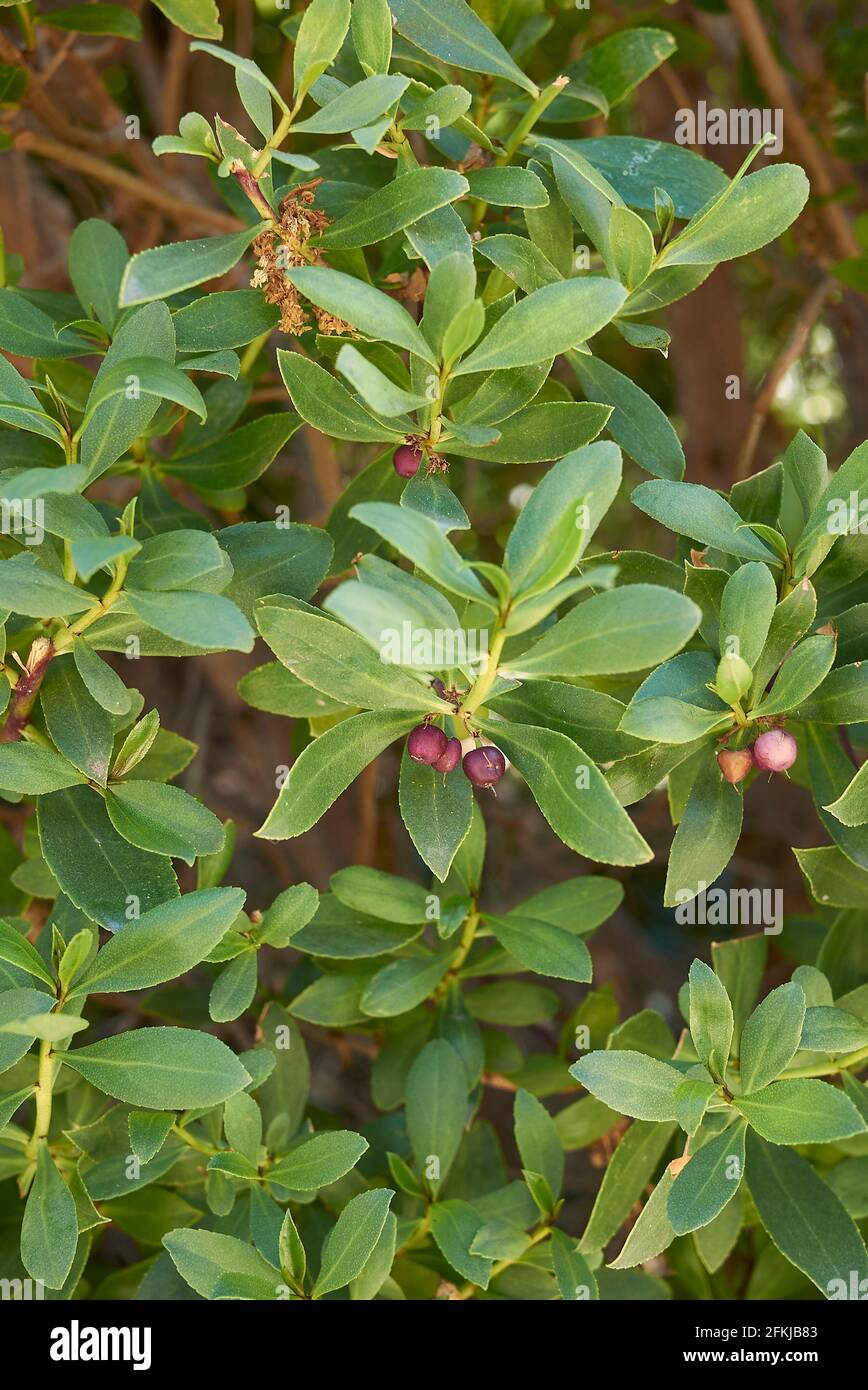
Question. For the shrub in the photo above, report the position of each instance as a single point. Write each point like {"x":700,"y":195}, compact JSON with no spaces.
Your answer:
{"x":413,"y":157}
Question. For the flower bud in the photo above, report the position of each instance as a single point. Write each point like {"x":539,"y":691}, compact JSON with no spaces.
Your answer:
{"x":733,"y":680}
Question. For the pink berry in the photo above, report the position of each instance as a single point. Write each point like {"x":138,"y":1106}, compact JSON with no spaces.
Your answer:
{"x":406,"y":461}
{"x":427,"y":743}
{"x":448,"y":760}
{"x":775,"y":750}
{"x":735,"y":763}
{"x":484,"y":766}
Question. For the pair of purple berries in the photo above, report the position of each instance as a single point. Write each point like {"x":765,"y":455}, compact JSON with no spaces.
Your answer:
{"x":428,"y":744}
{"x":773,"y":751}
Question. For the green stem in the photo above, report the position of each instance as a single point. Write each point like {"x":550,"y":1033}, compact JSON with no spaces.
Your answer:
{"x":67,"y":636}
{"x":485,"y":680}
{"x":44,"y":1087}
{"x":468,"y":936}
{"x":281,"y":131}
{"x":192,"y":1141}
{"x":521,"y":132}
{"x":252,"y":351}
{"x":851,"y":1059}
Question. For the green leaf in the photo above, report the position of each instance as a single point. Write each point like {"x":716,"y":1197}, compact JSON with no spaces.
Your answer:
{"x":695,"y":511}
{"x":161,"y":1068}
{"x":380,"y":393}
{"x":291,"y":910}
{"x":95,"y":867}
{"x":630,"y":1082}
{"x":15,"y":1005}
{"x":31,"y":770}
{"x":804,"y":1218}
{"x":423,"y":542}
{"x":706,"y":838}
{"x":327,"y":404}
{"x":163,"y":271}
{"x":436,"y":1110}
{"x":82,"y":730}
{"x":613,"y":68}
{"x":801,"y":1112}
{"x":163,"y":944}
{"x":543,"y":948}
{"x":711,"y":1019}
{"x":518,"y":188}
{"x":199,"y":17}
{"x":36,"y":593}
{"x":164,"y":820}
{"x":334,"y":660}
{"x":145,"y":376}
{"x":740,"y":964}
{"x":233,"y":990}
{"x":851,"y":807}
{"x":381,"y":895}
{"x":653,"y":1232}
{"x":103,"y":684}
{"x":455,"y":1224}
{"x":538,"y":1141}
{"x":559,"y":518}
{"x":708,"y":1182}
{"x":624,"y":629}
{"x":328,"y":766}
{"x":17,"y":950}
{"x":571,"y":792}
{"x":49,"y":1229}
{"x":363,"y":306}
{"x":318,"y":1161}
{"x":403,"y":984}
{"x":394,"y":206}
{"x":746,"y":611}
{"x":26,"y":331}
{"x":117,"y":423}
{"x":320,"y":36}
{"x":576,"y":1280}
{"x":840,"y":699}
{"x":832,"y":877}
{"x":546,"y":323}
{"x":97,"y":259}
{"x":372,"y":34}
{"x":456,"y":35}
{"x":437,"y":812}
{"x":636,"y":422}
{"x":209,"y":622}
{"x":148,"y":1132}
{"x":218,"y":1266}
{"x":799,"y":676}
{"x":625,"y":1179}
{"x":631,"y":247}
{"x":835,"y":512}
{"x":352,"y":1241}
{"x":747,"y":215}
{"x":771,"y":1036}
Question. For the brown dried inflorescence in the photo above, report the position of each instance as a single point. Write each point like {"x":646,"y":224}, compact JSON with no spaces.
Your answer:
{"x":287,"y":244}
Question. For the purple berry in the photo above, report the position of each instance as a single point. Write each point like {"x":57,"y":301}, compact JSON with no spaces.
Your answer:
{"x":484,"y":766}
{"x":406,"y":461}
{"x":735,"y":763}
{"x":775,"y":750}
{"x":448,"y":760}
{"x":427,"y":743}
